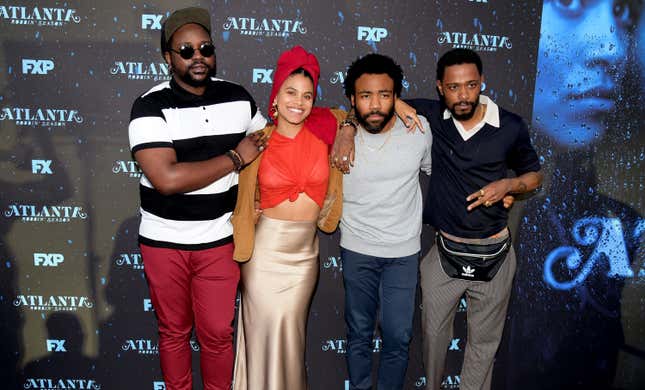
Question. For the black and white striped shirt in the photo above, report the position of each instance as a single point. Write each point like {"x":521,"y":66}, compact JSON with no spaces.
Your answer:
{"x":197,"y":128}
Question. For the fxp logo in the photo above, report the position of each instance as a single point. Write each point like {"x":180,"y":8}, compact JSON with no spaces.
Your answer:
{"x":48,"y":259}
{"x":55,"y":345}
{"x":373,"y":34}
{"x":31,"y":66}
{"x":151,"y":21}
{"x":41,"y":167}
{"x":262,"y":76}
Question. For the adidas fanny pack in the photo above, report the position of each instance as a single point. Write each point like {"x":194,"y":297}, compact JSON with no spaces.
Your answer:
{"x":472,"y":261}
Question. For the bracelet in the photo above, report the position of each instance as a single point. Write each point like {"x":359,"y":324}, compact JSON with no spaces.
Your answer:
{"x":236,"y":158}
{"x":242,"y":162}
{"x":349,"y":122}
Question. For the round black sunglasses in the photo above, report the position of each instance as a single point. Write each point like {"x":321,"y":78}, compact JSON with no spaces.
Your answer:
{"x":186,"y":51}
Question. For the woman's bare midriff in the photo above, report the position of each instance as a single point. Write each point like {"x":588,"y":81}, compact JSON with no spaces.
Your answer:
{"x":302,"y":209}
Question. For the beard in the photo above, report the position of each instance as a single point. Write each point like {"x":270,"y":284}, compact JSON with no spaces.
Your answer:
{"x":378,"y":127}
{"x":467,"y":115}
{"x":188,"y":78}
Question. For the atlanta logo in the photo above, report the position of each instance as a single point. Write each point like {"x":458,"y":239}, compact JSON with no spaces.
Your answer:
{"x":141,"y":346}
{"x":129,"y":168}
{"x":133,"y":70}
{"x":266,"y":27}
{"x":53,"y":302}
{"x":49,"y":214}
{"x":41,"y":116}
{"x":55,"y":384}
{"x":477,"y":42}
{"x":132,"y":260}
{"x":38,"y":16}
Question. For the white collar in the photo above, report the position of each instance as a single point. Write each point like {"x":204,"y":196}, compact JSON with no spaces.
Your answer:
{"x":492,"y":111}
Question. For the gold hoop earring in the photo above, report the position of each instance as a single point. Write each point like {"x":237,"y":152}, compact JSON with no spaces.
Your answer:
{"x":274,"y":107}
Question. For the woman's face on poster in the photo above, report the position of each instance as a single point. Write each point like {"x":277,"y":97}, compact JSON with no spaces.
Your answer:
{"x":582,"y":58}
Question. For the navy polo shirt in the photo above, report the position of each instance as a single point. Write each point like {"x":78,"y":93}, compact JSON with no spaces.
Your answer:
{"x":461,"y":167}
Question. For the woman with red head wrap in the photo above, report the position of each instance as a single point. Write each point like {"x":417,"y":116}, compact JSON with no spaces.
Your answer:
{"x":297,"y":191}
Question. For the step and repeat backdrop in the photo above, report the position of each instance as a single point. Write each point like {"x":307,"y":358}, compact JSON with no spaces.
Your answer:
{"x":74,"y":306}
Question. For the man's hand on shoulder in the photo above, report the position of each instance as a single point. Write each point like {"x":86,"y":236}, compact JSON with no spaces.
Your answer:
{"x":408,"y":115}
{"x":251,"y":146}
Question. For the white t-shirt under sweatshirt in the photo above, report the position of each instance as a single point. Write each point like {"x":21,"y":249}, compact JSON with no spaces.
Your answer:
{"x":382,"y":203}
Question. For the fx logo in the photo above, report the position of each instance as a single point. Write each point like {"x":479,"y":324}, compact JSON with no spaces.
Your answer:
{"x":158,"y":385}
{"x":56,"y":345}
{"x":152,"y":20}
{"x":374,"y":34}
{"x":147,"y":305}
{"x":30,"y":66}
{"x":262,"y":76}
{"x":48,"y":259}
{"x":454,"y":345}
{"x":42,"y":167}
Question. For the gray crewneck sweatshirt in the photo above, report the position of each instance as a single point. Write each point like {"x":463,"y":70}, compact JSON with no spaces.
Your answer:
{"x":382,"y":203}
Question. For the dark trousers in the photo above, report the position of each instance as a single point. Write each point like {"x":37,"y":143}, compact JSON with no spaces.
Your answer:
{"x":371,"y":281}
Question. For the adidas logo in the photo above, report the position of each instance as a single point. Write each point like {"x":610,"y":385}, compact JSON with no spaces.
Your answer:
{"x":468,"y":271}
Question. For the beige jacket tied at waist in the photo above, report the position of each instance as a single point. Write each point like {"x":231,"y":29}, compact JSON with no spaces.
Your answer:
{"x":244,"y":215}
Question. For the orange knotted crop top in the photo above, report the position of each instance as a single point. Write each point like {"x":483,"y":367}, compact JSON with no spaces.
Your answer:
{"x":291,"y":166}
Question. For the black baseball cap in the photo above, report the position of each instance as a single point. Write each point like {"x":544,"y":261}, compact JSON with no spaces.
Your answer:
{"x":181,"y":17}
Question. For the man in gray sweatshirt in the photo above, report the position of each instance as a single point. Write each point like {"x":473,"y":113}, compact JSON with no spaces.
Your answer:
{"x":381,"y":223}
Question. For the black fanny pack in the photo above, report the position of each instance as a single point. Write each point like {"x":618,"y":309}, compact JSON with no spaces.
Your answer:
{"x":472,"y":261}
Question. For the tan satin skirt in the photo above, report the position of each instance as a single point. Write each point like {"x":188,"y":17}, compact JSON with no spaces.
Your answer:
{"x":277,"y":285}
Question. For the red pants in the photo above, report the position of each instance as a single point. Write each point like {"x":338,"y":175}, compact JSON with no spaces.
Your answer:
{"x":193,"y":287}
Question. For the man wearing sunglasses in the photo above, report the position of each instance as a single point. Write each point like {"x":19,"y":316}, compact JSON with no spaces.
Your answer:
{"x":188,"y":136}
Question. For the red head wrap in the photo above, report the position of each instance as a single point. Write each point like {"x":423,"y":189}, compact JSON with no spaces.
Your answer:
{"x":321,"y":121}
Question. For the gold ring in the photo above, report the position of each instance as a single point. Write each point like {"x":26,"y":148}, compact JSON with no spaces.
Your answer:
{"x":487,"y":203}
{"x":481,"y":193}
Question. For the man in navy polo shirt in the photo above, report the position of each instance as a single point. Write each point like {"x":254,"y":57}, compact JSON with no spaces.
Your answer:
{"x":475,"y":143}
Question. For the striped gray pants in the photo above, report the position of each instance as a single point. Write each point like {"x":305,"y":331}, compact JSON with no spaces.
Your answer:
{"x":487,"y":303}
